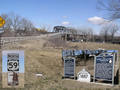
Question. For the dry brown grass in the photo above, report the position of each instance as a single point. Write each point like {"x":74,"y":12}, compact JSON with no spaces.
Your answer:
{"x":47,"y":61}
{"x":5,"y":79}
{"x":55,"y":42}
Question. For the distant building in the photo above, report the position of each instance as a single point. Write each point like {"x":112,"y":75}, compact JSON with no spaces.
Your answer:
{"x":59,"y":29}
{"x":70,"y":34}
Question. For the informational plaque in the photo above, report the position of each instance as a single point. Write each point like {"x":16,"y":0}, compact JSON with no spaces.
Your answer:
{"x":69,"y":67}
{"x":104,"y":66}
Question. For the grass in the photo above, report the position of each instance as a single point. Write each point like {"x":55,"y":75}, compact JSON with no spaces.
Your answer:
{"x":47,"y":61}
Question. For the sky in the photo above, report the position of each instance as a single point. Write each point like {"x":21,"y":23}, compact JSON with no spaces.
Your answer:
{"x":71,"y":13}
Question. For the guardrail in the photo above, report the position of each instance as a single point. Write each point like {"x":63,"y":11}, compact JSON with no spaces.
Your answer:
{"x":8,"y":40}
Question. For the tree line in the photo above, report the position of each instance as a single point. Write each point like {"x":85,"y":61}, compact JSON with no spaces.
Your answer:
{"x":16,"y":25}
{"x":112,"y":9}
{"x":110,"y":29}
{"x":106,"y":34}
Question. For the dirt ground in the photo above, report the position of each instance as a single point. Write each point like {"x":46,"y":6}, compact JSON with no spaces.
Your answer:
{"x":47,"y":62}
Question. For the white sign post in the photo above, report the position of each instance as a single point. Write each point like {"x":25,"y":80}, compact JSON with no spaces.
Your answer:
{"x":84,"y":76}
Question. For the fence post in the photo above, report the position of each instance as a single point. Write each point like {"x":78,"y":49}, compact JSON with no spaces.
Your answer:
{"x":0,"y":41}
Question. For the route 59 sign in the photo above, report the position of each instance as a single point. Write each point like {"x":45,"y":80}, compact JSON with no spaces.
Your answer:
{"x":13,"y":68}
{"x":13,"y":62}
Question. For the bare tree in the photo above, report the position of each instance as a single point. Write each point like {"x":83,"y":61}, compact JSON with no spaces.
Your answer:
{"x":8,"y":21}
{"x":113,"y":29}
{"x":16,"y":23}
{"x":45,"y":27}
{"x":12,"y":21}
{"x":26,"y":25}
{"x":71,"y":30}
{"x":109,"y":30}
{"x":111,"y":6}
{"x":113,"y":9}
{"x":105,"y":32}
{"x":86,"y":32}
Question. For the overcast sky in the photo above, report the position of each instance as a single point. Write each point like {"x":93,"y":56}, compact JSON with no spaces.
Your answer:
{"x":75,"y":13}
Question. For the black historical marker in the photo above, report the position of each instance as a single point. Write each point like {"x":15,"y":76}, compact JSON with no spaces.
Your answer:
{"x":104,"y":67}
{"x":69,"y":67}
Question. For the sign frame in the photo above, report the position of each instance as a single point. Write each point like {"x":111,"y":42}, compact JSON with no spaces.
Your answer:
{"x":18,"y":70}
{"x":21,"y":60}
{"x":66,"y":58}
{"x":112,"y":81}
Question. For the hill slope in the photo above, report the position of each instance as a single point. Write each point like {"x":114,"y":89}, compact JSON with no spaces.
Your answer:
{"x":47,"y":61}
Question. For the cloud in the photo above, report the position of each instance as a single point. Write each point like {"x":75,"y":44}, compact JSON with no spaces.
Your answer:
{"x":98,"y":20}
{"x":65,"y":16}
{"x":65,"y":23}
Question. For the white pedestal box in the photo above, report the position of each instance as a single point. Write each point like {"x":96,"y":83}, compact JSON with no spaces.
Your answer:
{"x":83,"y":76}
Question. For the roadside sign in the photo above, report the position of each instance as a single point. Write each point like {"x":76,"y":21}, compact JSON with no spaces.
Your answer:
{"x":104,"y":67}
{"x":13,"y":68}
{"x":2,"y":21}
{"x":69,"y":67}
{"x":13,"y":62}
